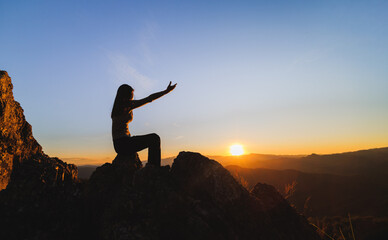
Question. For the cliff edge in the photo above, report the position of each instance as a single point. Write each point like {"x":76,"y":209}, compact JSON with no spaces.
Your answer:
{"x":34,"y":188}
{"x":18,"y":147}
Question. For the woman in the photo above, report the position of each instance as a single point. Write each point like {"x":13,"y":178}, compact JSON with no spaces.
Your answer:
{"x":122,"y":114}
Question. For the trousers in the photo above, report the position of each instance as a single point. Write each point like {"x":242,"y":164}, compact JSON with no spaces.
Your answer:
{"x":133,"y":144}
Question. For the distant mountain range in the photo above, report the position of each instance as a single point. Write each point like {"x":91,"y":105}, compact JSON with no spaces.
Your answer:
{"x":366,"y":162}
{"x":372,"y":161}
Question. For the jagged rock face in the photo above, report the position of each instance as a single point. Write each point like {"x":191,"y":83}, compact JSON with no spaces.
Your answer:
{"x":34,"y":188}
{"x":20,"y":151}
{"x":196,"y":199}
{"x":16,"y":140}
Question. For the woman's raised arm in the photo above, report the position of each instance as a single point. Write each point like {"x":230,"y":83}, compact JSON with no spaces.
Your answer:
{"x":152,"y":97}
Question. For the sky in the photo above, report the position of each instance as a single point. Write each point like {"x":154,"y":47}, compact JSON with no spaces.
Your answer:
{"x":279,"y":77}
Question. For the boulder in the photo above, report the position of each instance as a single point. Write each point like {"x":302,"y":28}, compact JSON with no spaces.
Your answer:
{"x":194,"y":199}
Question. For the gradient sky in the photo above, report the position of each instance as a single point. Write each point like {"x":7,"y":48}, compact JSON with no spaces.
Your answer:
{"x":282,"y":77}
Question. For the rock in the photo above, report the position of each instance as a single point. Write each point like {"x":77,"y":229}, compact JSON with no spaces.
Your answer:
{"x":268,"y":195}
{"x":106,"y":191}
{"x":111,"y":178}
{"x":220,"y":200}
{"x":206,"y":179}
{"x":16,"y":141}
{"x":22,"y":158}
{"x":23,"y":163}
{"x":34,"y":188}
{"x":290,"y":224}
{"x":196,"y":199}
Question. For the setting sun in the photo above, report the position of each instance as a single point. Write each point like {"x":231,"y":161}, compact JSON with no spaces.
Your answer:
{"x":236,"y":150}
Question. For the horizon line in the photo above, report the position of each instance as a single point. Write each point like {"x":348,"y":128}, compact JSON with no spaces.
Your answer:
{"x":206,"y":155}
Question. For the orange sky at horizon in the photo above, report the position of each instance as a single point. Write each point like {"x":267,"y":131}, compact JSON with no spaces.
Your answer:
{"x":101,"y":159}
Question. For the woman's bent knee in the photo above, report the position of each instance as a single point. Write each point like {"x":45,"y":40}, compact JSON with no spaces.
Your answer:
{"x":155,"y":137}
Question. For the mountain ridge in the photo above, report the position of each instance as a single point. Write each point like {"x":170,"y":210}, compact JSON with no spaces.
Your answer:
{"x":279,"y":162}
{"x":368,"y":161}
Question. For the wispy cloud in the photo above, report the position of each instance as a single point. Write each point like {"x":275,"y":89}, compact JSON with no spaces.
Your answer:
{"x":146,"y":36}
{"x":123,"y":72}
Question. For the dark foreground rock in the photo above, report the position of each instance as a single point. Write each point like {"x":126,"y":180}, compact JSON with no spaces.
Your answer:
{"x":194,"y":199}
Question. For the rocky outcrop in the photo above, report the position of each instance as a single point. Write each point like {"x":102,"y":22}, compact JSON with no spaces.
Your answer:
{"x":196,"y":199}
{"x":20,"y":150}
{"x":34,"y":188}
{"x":16,"y":141}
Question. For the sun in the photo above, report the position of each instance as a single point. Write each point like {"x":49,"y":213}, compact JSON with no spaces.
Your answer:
{"x":236,"y":150}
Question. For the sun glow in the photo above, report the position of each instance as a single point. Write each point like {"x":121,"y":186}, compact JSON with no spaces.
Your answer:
{"x":236,"y":150}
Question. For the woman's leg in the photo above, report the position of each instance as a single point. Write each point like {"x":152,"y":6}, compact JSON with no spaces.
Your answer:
{"x":138,"y":143}
{"x":150,"y":141}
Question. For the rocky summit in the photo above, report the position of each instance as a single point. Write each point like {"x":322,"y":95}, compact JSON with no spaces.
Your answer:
{"x":195,"y":198}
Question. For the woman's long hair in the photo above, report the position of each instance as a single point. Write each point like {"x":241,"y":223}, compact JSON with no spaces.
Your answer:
{"x":124,"y":94}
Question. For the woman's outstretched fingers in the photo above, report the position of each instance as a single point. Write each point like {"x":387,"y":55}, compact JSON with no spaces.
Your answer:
{"x":170,"y":87}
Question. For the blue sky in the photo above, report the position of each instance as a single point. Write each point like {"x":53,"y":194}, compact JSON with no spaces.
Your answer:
{"x":283,"y":77}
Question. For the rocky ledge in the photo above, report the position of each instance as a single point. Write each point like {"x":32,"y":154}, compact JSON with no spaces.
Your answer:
{"x":195,"y":198}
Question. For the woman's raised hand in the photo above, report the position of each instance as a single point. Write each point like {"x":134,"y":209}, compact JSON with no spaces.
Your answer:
{"x":170,"y":87}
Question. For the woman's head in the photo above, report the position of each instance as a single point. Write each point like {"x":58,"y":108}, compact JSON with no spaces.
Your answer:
{"x":123,"y":96}
{"x":125,"y":92}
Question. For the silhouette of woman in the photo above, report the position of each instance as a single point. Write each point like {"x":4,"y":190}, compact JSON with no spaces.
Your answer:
{"x":122,"y":114}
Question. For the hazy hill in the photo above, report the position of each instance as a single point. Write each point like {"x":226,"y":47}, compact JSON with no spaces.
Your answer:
{"x":85,"y":171}
{"x":372,"y":161}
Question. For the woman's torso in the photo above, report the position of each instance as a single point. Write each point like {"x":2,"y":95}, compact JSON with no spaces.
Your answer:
{"x":120,"y":125}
